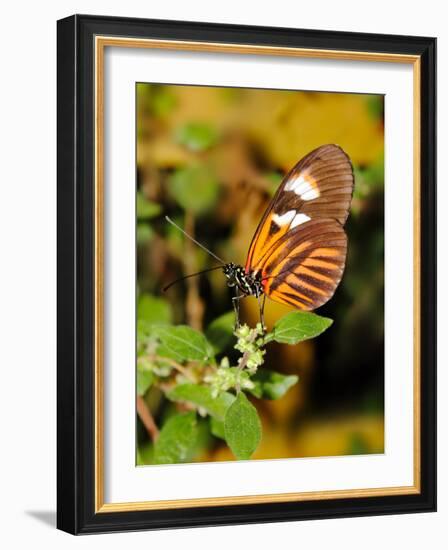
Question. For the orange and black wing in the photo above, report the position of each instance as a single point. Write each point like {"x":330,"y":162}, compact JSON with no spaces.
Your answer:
{"x":305,"y":266}
{"x":319,"y":187}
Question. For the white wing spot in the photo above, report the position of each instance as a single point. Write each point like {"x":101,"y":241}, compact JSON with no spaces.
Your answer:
{"x":299,"y":219}
{"x":303,"y":187}
{"x":285,"y":218}
{"x":310,"y":195}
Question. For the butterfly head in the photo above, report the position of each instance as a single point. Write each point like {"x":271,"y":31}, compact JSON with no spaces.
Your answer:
{"x":230,"y":271}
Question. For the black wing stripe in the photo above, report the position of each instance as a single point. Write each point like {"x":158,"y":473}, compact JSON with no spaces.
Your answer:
{"x":310,"y":277}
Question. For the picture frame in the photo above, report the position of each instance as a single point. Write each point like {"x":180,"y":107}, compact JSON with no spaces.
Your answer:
{"x":82,"y":204}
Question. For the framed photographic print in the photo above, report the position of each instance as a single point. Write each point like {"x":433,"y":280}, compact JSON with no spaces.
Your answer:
{"x":246,"y":274}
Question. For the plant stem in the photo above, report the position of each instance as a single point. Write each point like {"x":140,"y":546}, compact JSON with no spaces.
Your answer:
{"x":177,"y":366}
{"x":147,"y":419}
{"x":194,"y":305}
{"x":245,"y":358}
{"x":246,"y":354}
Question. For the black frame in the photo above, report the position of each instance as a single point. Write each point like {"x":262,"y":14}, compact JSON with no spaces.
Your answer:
{"x":75,"y":172}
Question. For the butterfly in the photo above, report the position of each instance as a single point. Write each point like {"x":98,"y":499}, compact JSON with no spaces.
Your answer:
{"x":298,"y":252}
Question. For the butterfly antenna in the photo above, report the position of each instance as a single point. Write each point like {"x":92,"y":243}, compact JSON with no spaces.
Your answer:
{"x":169,"y":220}
{"x":165,"y":288}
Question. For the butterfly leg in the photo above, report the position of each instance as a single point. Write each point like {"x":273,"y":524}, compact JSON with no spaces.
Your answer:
{"x":261,"y":303}
{"x":236,"y":307}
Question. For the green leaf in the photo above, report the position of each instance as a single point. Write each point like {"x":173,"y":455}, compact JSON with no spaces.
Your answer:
{"x":144,"y":233}
{"x":145,"y":453}
{"x":274,"y":179}
{"x":139,"y":459}
{"x":375,"y":106}
{"x":298,"y":326}
{"x":164,"y":351}
{"x":144,"y":380}
{"x":220,"y":331}
{"x":203,"y":440}
{"x":145,"y":208}
{"x":197,"y":136}
{"x":357,"y":445}
{"x":195,"y":188}
{"x":162,"y":101}
{"x":217,"y":427}
{"x":176,"y":439}
{"x":201,"y":396}
{"x":374,"y":174}
{"x":184,"y":342}
{"x":242,"y":428}
{"x":155,"y":366}
{"x":153,"y":310}
{"x":271,"y":385}
{"x":144,"y":331}
{"x":155,"y":98}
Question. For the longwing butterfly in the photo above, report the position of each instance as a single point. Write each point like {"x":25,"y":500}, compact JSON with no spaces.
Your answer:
{"x":297,"y":254}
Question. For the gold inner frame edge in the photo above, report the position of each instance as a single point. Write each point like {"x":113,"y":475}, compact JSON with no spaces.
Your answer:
{"x":101,"y":42}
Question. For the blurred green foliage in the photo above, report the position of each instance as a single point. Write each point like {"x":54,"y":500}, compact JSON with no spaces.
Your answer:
{"x":197,"y":137}
{"x":153,"y":310}
{"x":195,"y":188}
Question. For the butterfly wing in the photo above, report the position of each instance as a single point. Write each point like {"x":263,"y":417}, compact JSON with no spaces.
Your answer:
{"x":319,"y":186}
{"x":305,"y":266}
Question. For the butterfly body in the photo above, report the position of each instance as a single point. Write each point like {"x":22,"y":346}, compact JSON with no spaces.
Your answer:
{"x":248,"y":284}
